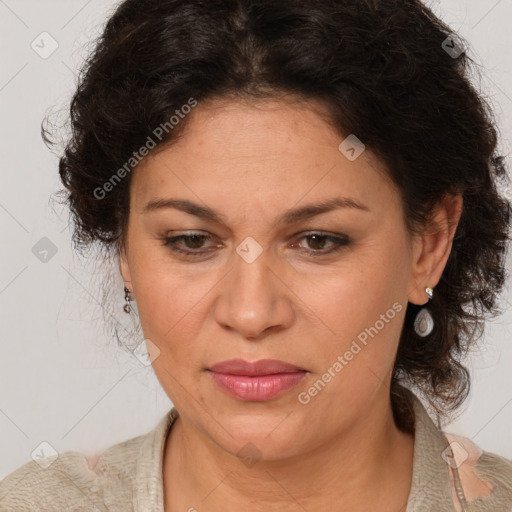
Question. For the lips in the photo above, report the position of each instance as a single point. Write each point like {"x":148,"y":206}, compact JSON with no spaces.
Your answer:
{"x":256,"y":381}
{"x":261,"y":367}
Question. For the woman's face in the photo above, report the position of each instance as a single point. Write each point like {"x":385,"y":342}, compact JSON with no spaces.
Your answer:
{"x":248,"y":179}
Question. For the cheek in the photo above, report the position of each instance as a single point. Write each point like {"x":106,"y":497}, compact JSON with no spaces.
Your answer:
{"x":167,"y":310}
{"x":161,"y":298}
{"x":363,"y":307}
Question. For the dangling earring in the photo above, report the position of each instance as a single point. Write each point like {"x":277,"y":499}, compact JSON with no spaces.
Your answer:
{"x":127,"y":307}
{"x":424,"y":322}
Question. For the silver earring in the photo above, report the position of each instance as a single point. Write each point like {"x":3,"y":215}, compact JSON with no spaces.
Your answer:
{"x":424,"y":322}
{"x":127,"y":307}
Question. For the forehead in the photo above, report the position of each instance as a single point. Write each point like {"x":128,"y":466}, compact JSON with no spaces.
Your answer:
{"x":240,"y":150}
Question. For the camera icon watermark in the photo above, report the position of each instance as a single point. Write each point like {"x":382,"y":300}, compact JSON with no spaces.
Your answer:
{"x":453,"y":46}
{"x":249,"y":249}
{"x":44,"y":250}
{"x":454,"y":454}
{"x":351,"y":147}
{"x":44,"y":454}
{"x":44,"y":45}
{"x":249,"y":454}
{"x":146,"y":352}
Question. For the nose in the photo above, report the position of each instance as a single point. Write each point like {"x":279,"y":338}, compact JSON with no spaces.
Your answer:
{"x":254,"y":298}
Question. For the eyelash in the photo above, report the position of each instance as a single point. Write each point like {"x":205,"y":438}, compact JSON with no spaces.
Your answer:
{"x":339,"y":243}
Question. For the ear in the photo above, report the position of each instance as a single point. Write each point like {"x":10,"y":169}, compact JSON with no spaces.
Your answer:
{"x":432,"y":248}
{"x":124,"y":267}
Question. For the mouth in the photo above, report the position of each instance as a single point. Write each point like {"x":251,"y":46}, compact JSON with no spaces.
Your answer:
{"x":256,"y":381}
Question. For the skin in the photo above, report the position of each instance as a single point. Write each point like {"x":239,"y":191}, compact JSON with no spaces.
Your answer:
{"x":251,"y":162}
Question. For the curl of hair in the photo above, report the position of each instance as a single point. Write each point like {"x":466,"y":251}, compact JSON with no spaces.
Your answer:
{"x":379,"y":67}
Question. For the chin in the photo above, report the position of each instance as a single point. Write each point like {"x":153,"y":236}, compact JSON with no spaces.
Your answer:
{"x":258,"y":436}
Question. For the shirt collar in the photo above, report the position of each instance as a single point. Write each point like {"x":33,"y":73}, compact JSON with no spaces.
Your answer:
{"x":430,"y":487}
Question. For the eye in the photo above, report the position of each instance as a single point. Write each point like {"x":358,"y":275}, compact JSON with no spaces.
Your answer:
{"x":317,"y":241}
{"x":192,"y":242}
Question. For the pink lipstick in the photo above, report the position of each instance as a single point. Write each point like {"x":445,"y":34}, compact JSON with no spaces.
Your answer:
{"x":257,"y":381}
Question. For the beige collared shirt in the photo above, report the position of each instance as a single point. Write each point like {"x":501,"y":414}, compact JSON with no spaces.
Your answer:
{"x":128,"y":476}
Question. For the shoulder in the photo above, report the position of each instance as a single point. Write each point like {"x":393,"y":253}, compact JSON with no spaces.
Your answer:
{"x":451,"y":465}
{"x":486,"y":477}
{"x":69,"y":481}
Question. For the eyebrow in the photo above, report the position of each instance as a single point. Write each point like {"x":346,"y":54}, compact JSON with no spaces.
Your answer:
{"x":289,"y":217}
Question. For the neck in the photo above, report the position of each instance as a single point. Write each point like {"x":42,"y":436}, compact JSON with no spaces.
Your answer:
{"x":368,"y":466}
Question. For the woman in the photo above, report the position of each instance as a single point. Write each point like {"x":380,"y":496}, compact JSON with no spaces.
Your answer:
{"x":302,"y":197}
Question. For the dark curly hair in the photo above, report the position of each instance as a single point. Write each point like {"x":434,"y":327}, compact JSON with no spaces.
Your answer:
{"x":383,"y":69}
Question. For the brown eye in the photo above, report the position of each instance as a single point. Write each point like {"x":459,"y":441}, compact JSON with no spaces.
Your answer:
{"x":194,"y":241}
{"x":316,"y":243}
{"x":189,"y":244}
{"x":193,"y":244}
